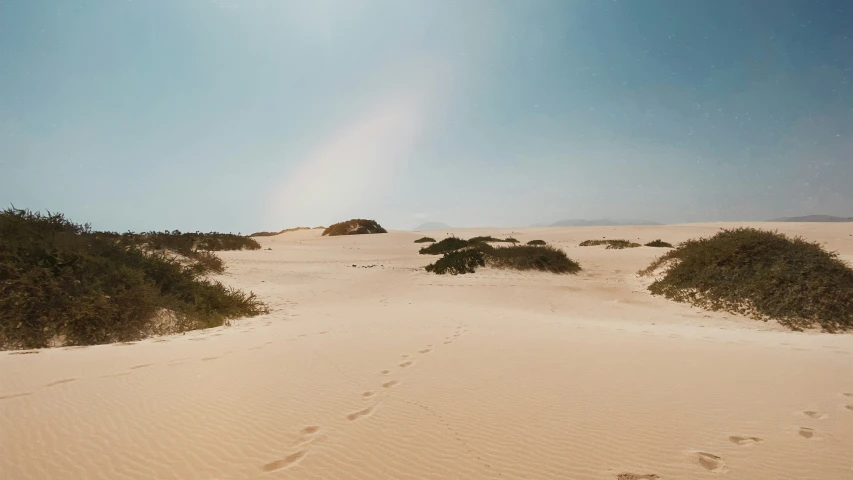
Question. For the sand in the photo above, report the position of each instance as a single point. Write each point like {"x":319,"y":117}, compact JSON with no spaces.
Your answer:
{"x":371,"y":368}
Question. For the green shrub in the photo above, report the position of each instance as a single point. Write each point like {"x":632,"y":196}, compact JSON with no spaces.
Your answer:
{"x":611,"y":244}
{"x":761,"y":274}
{"x":425,"y":240}
{"x":528,"y":257}
{"x":659,"y":243}
{"x":521,"y":257}
{"x":536,"y":242}
{"x":492,"y":239}
{"x":356,"y":226}
{"x":447,"y":245}
{"x":62,"y":283}
{"x":458,"y":262}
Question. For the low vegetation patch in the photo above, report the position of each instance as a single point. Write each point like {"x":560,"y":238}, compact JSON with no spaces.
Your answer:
{"x":458,"y":262}
{"x":761,"y":274}
{"x":193,"y":248}
{"x":425,"y":240}
{"x":536,"y":242}
{"x":464,"y":256}
{"x":447,"y":245}
{"x":529,"y":257}
{"x":356,"y":226}
{"x":492,"y":239}
{"x":659,"y":243}
{"x":63,"y":284}
{"x":615,"y":244}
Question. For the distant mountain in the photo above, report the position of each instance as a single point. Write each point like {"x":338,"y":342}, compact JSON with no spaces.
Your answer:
{"x":599,"y":223}
{"x":432,"y":226}
{"x":813,"y":218}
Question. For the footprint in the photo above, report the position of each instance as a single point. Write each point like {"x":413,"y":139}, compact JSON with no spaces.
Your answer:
{"x":405,"y":355}
{"x":207,"y":359}
{"x":745,"y":440}
{"x":285,"y":462}
{"x":15,"y":395}
{"x":848,"y":394}
{"x":817,"y":415}
{"x":711,"y":462}
{"x":637,"y":476}
{"x":60,"y":382}
{"x":24,"y":352}
{"x":390,"y":384}
{"x":849,"y":407}
{"x":197,"y":339}
{"x":806,"y":432}
{"x":144,"y":365}
{"x":115,"y":375}
{"x":367,"y":394}
{"x":361,"y":413}
{"x":406,"y":364}
{"x":385,"y":372}
{"x":426,"y":350}
{"x":448,"y":342}
{"x":310,"y":430}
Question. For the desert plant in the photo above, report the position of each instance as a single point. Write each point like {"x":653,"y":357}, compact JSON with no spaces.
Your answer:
{"x":62,"y":283}
{"x":458,"y":257}
{"x":761,"y":274}
{"x":356,"y":226}
{"x":458,"y":262}
{"x":659,"y":243}
{"x":490,"y":238}
{"x":527,"y":257}
{"x":449,"y":244}
{"x":536,"y":242}
{"x":611,"y":244}
{"x":425,"y":240}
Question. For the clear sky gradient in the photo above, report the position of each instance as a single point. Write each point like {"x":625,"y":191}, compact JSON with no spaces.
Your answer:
{"x":261,"y":115}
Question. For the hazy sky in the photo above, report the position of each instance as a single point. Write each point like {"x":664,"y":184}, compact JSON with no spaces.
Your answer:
{"x":258,"y":115}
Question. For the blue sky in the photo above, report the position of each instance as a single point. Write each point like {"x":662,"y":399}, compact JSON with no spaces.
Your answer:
{"x":259,"y":115}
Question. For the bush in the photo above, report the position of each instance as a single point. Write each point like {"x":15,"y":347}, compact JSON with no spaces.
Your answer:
{"x":458,"y":262}
{"x":425,"y":240}
{"x":615,"y":244}
{"x":356,"y":226}
{"x":659,"y":243}
{"x":62,"y":283}
{"x":458,"y":258}
{"x":536,"y":242}
{"x":761,"y":274}
{"x":527,"y":257}
{"x":492,"y":239}
{"x":447,"y":245}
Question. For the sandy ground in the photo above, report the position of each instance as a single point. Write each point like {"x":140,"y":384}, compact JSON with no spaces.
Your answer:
{"x":388,"y":372}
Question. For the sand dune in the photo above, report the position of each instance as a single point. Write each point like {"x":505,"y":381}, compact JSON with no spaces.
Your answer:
{"x":391,"y":372}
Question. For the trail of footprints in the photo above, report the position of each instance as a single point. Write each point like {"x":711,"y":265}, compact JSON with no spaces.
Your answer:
{"x":716,"y":464}
{"x":309,"y":434}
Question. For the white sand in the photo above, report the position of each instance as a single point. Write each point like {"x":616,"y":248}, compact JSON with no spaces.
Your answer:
{"x":390,"y":373}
